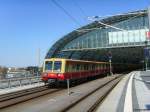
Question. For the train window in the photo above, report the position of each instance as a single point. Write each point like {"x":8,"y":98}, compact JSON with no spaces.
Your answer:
{"x":57,"y":66}
{"x":81,"y":67}
{"x":93,"y":67}
{"x":99,"y":66}
{"x":73,"y":68}
{"x":48,"y":65}
{"x":78,"y":67}
{"x":69,"y":68}
{"x":90,"y":67}
{"x":85,"y":67}
{"x":96,"y":66}
{"x":107,"y":66}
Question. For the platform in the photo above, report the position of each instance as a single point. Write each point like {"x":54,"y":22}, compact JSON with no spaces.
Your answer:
{"x":130,"y":95}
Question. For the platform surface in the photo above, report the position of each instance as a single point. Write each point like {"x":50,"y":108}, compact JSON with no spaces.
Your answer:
{"x":141,"y":91}
{"x":132,"y":94}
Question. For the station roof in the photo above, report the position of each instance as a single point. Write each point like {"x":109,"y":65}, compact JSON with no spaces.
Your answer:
{"x":56,"y":48}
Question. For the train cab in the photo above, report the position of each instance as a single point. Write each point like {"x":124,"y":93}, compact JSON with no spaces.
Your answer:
{"x":53,"y":70}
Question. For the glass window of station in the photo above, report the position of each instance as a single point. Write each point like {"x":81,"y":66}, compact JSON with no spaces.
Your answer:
{"x":133,"y":33}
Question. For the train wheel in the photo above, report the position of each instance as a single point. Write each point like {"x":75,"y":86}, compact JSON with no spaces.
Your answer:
{"x":45,"y":83}
{"x":57,"y":84}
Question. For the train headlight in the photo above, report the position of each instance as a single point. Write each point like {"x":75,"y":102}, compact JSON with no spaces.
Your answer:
{"x":59,"y":74}
{"x":45,"y":74}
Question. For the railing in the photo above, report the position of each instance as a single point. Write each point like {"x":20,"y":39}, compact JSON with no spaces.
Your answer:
{"x":13,"y":82}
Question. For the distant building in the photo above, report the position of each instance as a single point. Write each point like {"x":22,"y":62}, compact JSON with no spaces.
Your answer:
{"x":3,"y":71}
{"x":33,"y":70}
{"x":17,"y":72}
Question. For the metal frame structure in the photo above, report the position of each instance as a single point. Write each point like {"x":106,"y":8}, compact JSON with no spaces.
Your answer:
{"x":85,"y":53}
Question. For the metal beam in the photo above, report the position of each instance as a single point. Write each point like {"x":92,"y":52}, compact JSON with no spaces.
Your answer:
{"x":148,"y":11}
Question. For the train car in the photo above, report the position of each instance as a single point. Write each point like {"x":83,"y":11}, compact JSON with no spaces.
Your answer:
{"x":57,"y":69}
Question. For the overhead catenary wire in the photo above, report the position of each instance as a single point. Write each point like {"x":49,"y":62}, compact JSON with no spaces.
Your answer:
{"x":66,"y":12}
{"x":112,"y":26}
{"x":81,"y":9}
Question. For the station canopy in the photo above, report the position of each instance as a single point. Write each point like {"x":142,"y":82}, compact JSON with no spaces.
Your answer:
{"x":121,"y":37}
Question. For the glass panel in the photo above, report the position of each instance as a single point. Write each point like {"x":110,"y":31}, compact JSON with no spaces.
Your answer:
{"x":48,"y":65}
{"x":57,"y":66}
{"x":106,"y":37}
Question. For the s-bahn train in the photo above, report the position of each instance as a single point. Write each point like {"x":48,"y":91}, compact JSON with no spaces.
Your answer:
{"x":58,"y":70}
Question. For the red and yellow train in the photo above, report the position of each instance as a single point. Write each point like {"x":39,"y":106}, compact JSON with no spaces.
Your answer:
{"x":56,"y":69}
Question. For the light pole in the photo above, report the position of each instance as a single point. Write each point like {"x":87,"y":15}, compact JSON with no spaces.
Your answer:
{"x":146,"y":54}
{"x":68,"y":86}
{"x":146,"y":49}
{"x":110,"y":66}
{"x":39,"y":62}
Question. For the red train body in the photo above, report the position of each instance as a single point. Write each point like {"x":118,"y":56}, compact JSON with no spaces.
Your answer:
{"x":56,"y":69}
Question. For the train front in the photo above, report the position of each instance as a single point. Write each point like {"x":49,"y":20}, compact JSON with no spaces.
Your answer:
{"x":53,"y":70}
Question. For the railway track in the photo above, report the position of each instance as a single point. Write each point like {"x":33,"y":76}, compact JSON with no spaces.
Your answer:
{"x":91,"y":95}
{"x":92,"y":100}
{"x":7,"y":96}
{"x":24,"y":95}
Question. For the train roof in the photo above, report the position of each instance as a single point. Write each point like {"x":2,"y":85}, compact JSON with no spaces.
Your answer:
{"x":60,"y":59}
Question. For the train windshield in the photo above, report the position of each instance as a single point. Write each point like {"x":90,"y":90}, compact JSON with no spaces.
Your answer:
{"x":48,"y":65}
{"x":57,"y":66}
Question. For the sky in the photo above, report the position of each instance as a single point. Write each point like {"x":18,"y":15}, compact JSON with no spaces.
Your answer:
{"x":29,"y":25}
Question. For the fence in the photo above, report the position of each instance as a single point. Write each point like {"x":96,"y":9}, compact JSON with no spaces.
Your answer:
{"x":13,"y":82}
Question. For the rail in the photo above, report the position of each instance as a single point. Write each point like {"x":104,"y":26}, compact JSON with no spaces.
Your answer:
{"x":24,"y":95}
{"x":93,"y":99}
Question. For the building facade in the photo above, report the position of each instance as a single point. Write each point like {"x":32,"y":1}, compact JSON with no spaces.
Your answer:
{"x":96,"y":40}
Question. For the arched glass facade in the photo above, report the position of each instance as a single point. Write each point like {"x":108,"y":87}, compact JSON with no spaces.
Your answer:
{"x":94,"y":44}
{"x":134,"y":34}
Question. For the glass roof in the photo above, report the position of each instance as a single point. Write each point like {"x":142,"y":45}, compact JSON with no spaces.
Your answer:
{"x":96,"y":43}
